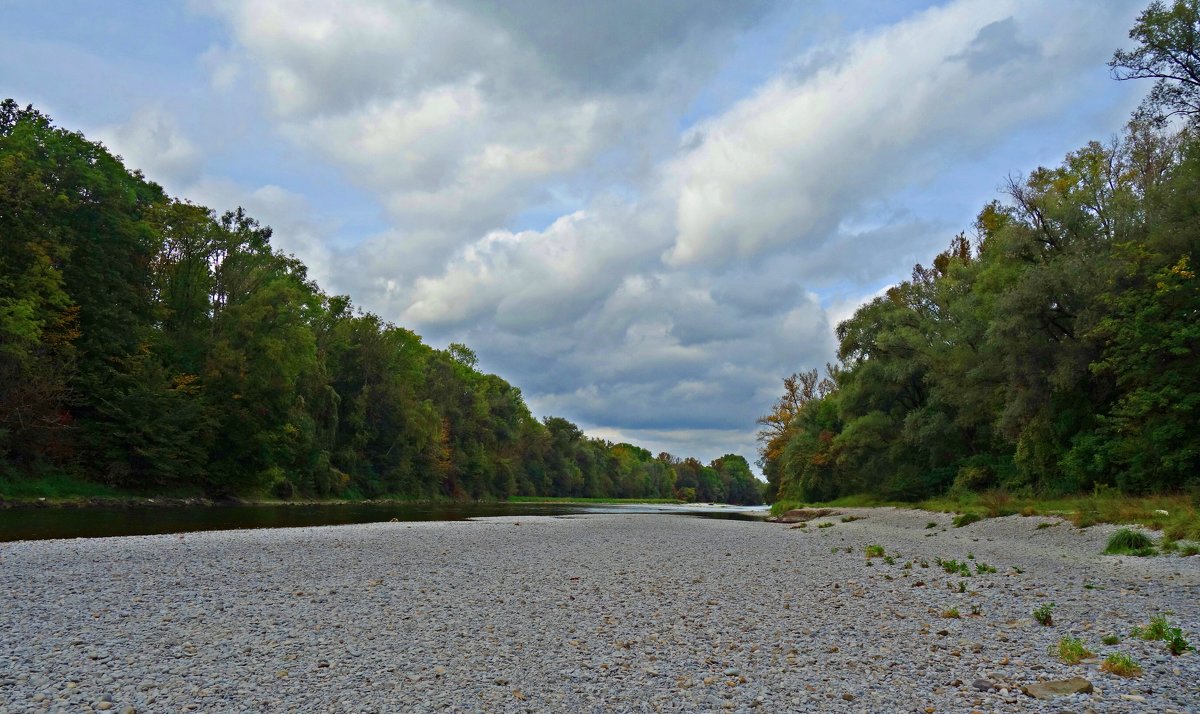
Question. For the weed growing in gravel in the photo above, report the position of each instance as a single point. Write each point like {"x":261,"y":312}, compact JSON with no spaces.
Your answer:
{"x":1189,"y":550}
{"x":1017,"y":570}
{"x":962,"y":586}
{"x":874,"y":551}
{"x":825,"y":525}
{"x":908,"y":565}
{"x":970,"y":556}
{"x":1176,"y":644}
{"x":924,"y":563}
{"x":1071,"y":650}
{"x":851,"y":519}
{"x":1129,"y":542}
{"x":849,"y":549}
{"x":889,"y":560}
{"x":931,"y":524}
{"x":1158,"y":629}
{"x":1044,"y":614}
{"x":951,"y":614}
{"x":1121,"y":664}
{"x":1043,"y":526}
{"x":966,"y":519}
{"x":1110,"y":639}
{"x":975,"y":611}
{"x":953,"y":566}
{"x":984,"y":568}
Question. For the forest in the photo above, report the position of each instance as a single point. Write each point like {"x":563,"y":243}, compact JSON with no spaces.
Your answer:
{"x":1052,"y":351}
{"x":150,"y":345}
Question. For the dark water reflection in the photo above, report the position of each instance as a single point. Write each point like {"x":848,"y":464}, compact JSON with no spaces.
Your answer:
{"x":42,"y":523}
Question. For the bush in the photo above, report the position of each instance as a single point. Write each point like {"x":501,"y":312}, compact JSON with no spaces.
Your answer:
{"x":1044,"y":614}
{"x":1129,"y":542}
{"x":997,"y":503}
{"x":283,"y":489}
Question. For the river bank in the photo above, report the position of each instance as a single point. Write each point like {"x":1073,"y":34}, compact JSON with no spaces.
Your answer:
{"x":605,"y":612}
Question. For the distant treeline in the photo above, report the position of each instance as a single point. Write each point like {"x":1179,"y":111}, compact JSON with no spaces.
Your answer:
{"x":149,"y":344}
{"x":1056,"y":351}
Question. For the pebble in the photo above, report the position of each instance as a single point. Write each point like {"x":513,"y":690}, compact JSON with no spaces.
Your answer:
{"x":611,"y":612}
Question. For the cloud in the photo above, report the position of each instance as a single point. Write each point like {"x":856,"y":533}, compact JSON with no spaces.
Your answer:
{"x":459,"y":114}
{"x":153,"y":141}
{"x":681,"y":273}
{"x":786,"y":165}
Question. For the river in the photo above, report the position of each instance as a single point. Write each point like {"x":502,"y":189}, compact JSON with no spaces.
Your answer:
{"x":44,"y":523}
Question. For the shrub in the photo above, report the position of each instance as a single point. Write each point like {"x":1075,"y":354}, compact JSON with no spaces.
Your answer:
{"x":283,"y":489}
{"x":997,"y":503}
{"x":874,"y":551}
{"x":1129,"y":542}
{"x":1071,"y":650}
{"x":1044,"y":614}
{"x":1121,"y":664}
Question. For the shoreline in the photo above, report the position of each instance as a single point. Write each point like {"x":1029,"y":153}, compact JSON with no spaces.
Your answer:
{"x":118,"y":502}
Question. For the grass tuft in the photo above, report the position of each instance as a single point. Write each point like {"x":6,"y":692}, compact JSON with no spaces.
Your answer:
{"x":1071,"y":650}
{"x":966,"y":519}
{"x":1129,"y":542}
{"x":1044,"y":614}
{"x":1121,"y":664}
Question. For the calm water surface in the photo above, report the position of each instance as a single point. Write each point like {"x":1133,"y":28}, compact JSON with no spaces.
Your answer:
{"x":43,"y":523}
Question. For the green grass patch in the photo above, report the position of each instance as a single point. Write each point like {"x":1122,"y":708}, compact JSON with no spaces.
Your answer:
{"x":781,"y":507}
{"x":966,"y":519}
{"x":56,"y":487}
{"x":1071,"y":650}
{"x":1129,"y":542}
{"x":1044,"y":614}
{"x":874,"y":551}
{"x":1158,"y":629}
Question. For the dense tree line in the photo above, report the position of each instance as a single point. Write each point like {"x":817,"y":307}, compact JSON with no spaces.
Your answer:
{"x":150,"y":344}
{"x":1055,"y":352}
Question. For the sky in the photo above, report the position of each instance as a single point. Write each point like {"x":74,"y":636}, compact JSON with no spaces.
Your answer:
{"x":643,"y":214}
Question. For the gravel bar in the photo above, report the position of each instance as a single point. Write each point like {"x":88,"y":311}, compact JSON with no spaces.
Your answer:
{"x":594,"y":613}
